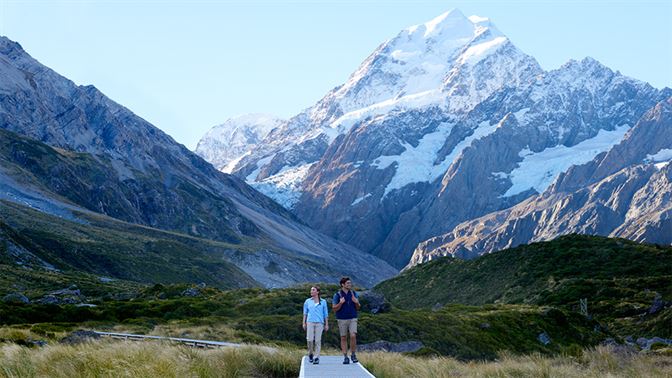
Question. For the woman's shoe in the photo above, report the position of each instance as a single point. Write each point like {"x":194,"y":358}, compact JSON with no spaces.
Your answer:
{"x":316,"y":361}
{"x":310,"y":358}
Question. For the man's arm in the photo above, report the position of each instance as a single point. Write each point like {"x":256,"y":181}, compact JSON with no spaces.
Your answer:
{"x":355,"y":300}
{"x":337,"y":305}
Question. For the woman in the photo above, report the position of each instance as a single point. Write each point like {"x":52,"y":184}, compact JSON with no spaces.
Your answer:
{"x":315,"y":319}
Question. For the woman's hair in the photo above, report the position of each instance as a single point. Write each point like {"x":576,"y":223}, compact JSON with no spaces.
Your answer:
{"x":318,"y":291}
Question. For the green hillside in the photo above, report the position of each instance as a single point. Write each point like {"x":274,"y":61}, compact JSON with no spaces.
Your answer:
{"x":620,"y":279}
{"x":102,"y":246}
{"x":274,"y":316}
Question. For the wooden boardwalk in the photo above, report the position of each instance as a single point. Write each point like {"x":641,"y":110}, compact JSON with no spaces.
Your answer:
{"x":332,"y":367}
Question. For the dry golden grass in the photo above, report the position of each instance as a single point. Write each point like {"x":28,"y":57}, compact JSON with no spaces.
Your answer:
{"x":108,"y":358}
{"x":598,"y":362}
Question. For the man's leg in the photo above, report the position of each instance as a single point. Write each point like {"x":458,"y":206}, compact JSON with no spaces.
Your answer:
{"x":343,"y":326}
{"x":353,"y":340}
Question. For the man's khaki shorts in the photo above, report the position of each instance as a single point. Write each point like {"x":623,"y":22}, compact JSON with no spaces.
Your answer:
{"x":346,"y":326}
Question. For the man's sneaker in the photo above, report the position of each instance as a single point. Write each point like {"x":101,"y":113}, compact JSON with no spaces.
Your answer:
{"x":346,"y":360}
{"x":316,"y":361}
{"x":354,"y":359}
{"x":310,"y":358}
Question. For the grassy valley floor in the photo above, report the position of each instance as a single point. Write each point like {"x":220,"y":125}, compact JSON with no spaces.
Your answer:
{"x":154,"y":359}
{"x":534,"y":328}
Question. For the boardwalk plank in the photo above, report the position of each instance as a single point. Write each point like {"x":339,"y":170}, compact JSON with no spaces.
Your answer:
{"x":332,"y":367}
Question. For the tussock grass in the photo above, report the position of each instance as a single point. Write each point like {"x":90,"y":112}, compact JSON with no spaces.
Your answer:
{"x":14,"y":334}
{"x":108,"y":358}
{"x":145,"y":359}
{"x":595,"y":362}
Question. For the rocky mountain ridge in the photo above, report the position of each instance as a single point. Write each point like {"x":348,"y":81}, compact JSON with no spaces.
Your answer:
{"x":624,"y":192}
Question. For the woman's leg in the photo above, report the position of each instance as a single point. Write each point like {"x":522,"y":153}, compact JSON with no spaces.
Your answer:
{"x":319,"y":327}
{"x":310,"y":337}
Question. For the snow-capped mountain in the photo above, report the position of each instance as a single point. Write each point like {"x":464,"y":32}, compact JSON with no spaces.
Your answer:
{"x":424,"y":66}
{"x":132,"y":171}
{"x":625,"y":192}
{"x":443,"y":123}
{"x":225,"y":144}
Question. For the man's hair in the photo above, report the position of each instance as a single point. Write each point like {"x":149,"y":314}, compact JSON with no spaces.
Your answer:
{"x":344,"y":280}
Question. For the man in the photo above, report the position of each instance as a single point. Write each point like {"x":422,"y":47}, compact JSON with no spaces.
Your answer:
{"x":346,"y":304}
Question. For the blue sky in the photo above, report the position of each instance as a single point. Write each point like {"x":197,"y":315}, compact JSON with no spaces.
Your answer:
{"x":188,"y":65}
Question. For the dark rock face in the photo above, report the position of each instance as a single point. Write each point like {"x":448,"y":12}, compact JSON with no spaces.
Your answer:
{"x":386,"y":346}
{"x":80,"y":336}
{"x":658,"y":304}
{"x":624,"y":192}
{"x":374,"y":302}
{"x":16,"y":298}
{"x":50,"y":300}
{"x":191,"y":292}
{"x":646,"y":344}
{"x":544,"y":338}
{"x":70,"y":295}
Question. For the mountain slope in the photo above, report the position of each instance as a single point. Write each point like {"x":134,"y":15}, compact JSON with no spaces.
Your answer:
{"x":625,"y":192}
{"x":34,"y":241}
{"x":448,"y":112}
{"x":112,"y":162}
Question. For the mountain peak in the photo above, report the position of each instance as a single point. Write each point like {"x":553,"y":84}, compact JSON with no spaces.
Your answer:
{"x":451,"y":25}
{"x":413,"y":67}
{"x":448,"y":20}
{"x":225,"y":142}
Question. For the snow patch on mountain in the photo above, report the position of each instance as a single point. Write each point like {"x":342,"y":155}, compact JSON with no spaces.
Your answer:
{"x":417,"y":164}
{"x":414,"y":101}
{"x":260,"y":164}
{"x":664,"y":154}
{"x":538,"y":169}
{"x":476,"y":53}
{"x":285,"y":186}
{"x":360,"y":199}
{"x":230,"y":166}
{"x":661,"y":158}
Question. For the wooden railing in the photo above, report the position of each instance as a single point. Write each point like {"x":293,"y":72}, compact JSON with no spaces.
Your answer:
{"x":191,"y":342}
